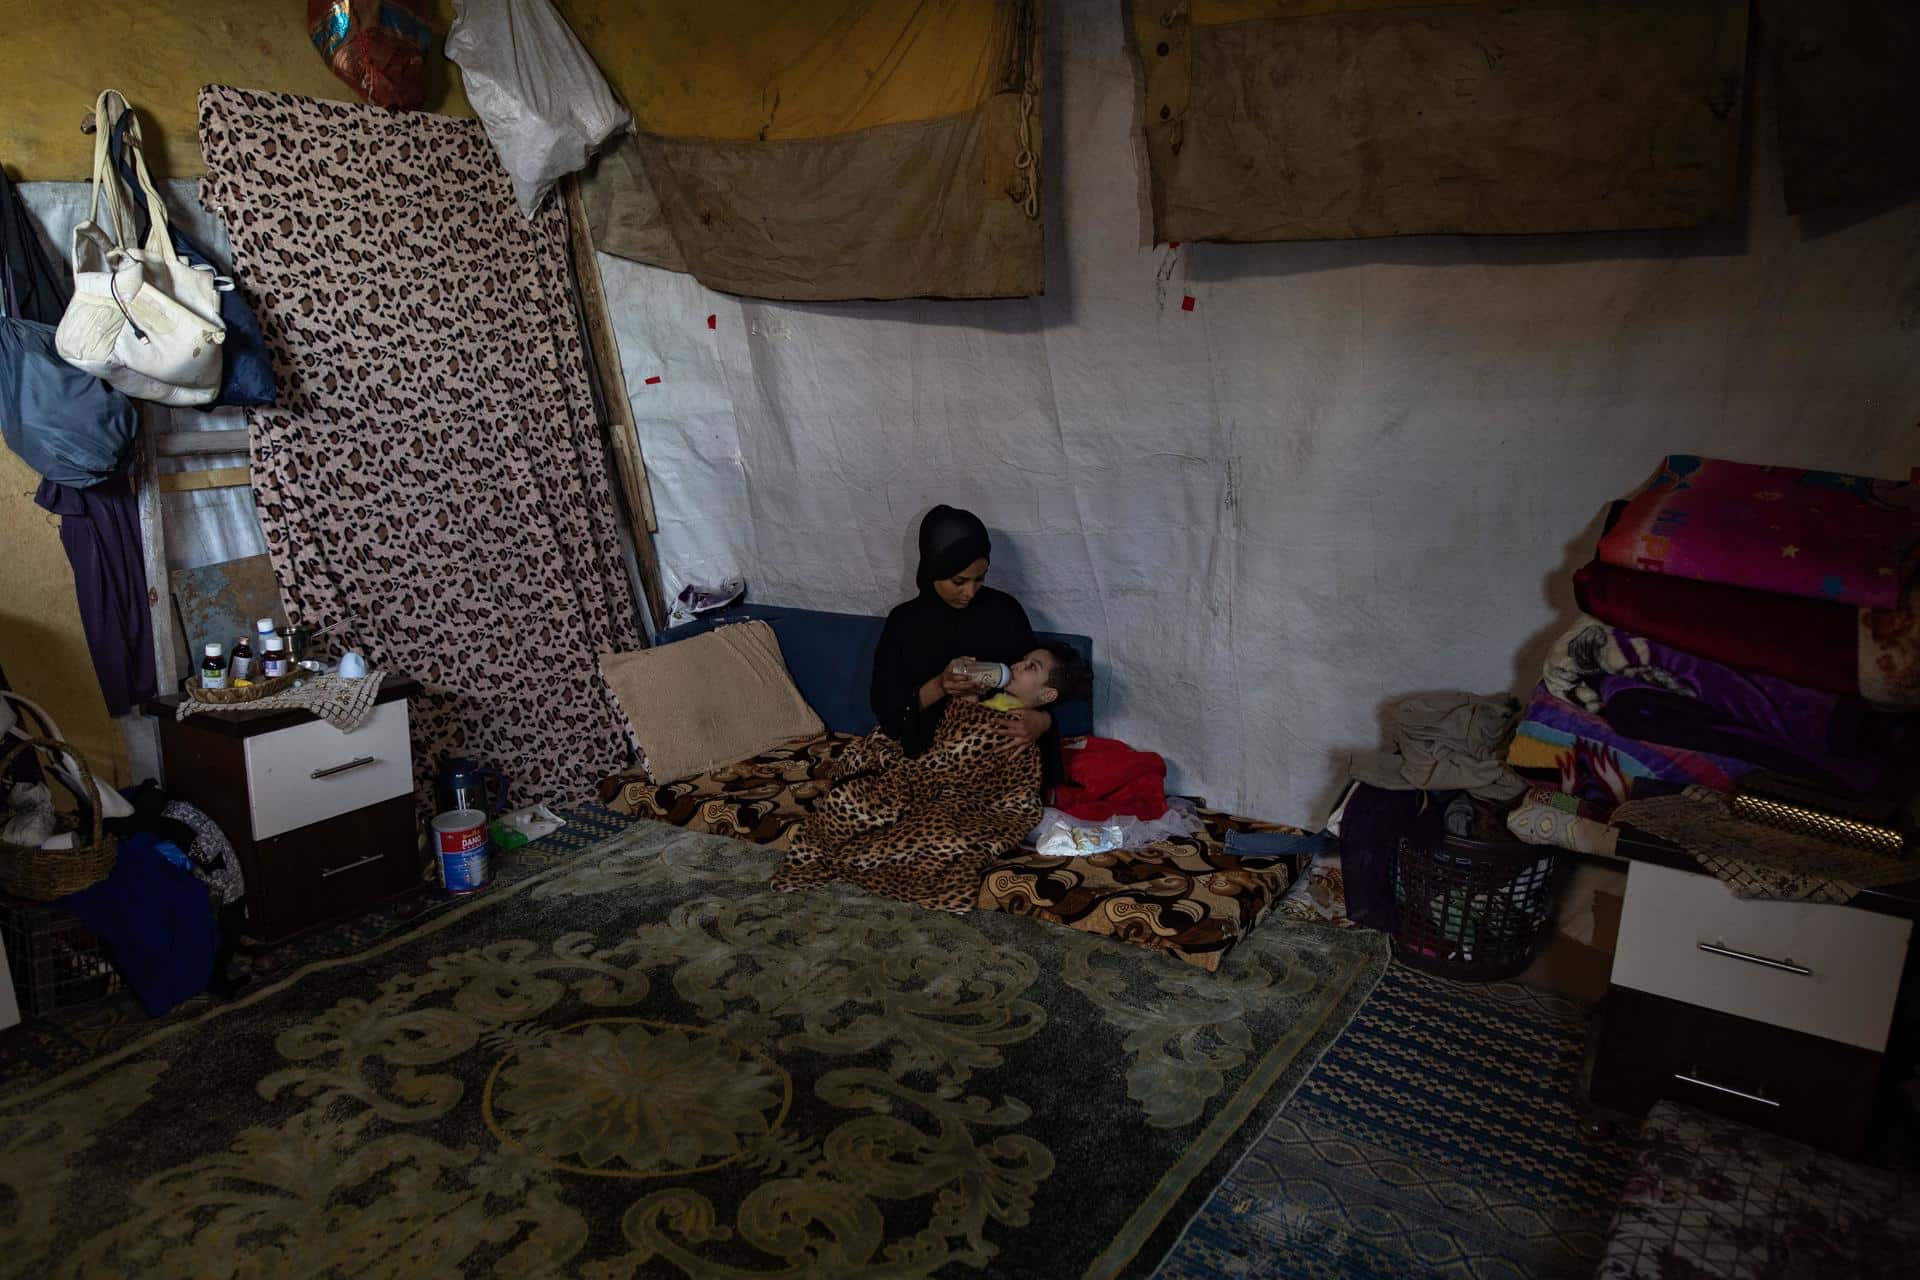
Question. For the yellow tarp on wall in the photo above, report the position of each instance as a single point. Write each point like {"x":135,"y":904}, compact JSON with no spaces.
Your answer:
{"x":859,"y":149}
{"x":774,"y":70}
{"x":724,"y":69}
{"x":57,"y":56}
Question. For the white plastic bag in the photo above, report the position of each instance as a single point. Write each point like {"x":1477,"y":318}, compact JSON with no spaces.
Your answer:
{"x":1061,"y":838}
{"x":545,"y":105}
{"x":695,"y":600}
{"x":1062,"y":835}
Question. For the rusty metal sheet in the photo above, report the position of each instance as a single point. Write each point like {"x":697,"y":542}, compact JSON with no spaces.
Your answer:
{"x":219,"y":602}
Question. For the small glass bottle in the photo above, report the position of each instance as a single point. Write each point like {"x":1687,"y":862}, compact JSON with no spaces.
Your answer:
{"x":240,"y":664}
{"x":275,"y":663}
{"x":213,"y":668}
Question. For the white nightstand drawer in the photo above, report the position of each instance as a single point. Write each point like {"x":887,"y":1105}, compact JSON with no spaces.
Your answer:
{"x":1826,"y":970}
{"x":313,"y":771}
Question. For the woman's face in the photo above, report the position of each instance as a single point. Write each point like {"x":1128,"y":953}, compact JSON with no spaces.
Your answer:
{"x":958,"y":591}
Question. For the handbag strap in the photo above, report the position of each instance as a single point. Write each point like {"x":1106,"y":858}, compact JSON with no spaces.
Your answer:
{"x":48,"y":729}
{"x":85,"y":789}
{"x":9,"y":299}
{"x":117,"y":227}
{"x":9,"y":295}
{"x":159,"y":241}
{"x":108,"y":109}
{"x":31,"y":286}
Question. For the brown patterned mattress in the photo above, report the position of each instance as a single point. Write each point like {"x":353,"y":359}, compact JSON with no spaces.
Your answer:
{"x":1185,"y":896}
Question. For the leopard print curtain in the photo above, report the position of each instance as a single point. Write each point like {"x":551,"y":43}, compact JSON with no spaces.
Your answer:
{"x":432,"y":467}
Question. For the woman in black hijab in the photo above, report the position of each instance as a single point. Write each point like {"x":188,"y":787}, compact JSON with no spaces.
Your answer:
{"x":955,"y":616}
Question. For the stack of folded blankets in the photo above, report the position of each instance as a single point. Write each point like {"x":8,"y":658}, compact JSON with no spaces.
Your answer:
{"x":1745,"y":629}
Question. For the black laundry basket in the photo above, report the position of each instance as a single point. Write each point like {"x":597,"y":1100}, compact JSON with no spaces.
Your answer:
{"x":1476,"y":910}
{"x":56,"y":962}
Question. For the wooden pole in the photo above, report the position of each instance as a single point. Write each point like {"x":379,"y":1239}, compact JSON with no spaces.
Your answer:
{"x":610,"y":395}
{"x":215,"y":478}
{"x":142,"y":732}
{"x":193,"y":444}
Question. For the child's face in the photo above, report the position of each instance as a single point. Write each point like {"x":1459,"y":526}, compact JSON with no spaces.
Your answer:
{"x":1030,"y":676}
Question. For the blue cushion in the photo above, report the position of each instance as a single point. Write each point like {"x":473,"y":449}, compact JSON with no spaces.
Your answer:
{"x":830,"y":656}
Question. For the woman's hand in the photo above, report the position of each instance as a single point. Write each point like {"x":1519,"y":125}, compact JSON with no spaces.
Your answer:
{"x":948,"y":684}
{"x":956,"y":685}
{"x":1022,"y":729}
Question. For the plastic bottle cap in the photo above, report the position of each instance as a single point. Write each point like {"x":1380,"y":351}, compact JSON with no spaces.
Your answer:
{"x":275,"y":643}
{"x":213,"y":651}
{"x":264,"y":626}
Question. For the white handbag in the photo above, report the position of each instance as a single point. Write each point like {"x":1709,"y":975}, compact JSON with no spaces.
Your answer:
{"x":142,"y":318}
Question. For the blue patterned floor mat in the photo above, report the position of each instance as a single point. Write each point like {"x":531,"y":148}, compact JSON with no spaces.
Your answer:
{"x":1438,"y":1137}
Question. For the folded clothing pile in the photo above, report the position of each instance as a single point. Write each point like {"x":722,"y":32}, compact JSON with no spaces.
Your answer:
{"x":1746,"y":628}
{"x":1443,"y":771}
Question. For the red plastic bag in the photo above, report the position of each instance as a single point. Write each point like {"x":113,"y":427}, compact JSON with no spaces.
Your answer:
{"x":378,"y":47}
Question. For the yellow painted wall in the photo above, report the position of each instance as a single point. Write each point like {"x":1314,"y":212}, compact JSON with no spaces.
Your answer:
{"x":42,"y":646}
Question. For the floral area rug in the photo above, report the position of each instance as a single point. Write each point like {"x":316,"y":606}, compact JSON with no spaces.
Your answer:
{"x":1438,"y":1138}
{"x":1712,"y":1197}
{"x":642,"y":1062}
{"x":43,"y":1047}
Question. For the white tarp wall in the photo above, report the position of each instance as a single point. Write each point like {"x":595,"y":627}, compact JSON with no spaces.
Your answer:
{"x":1352,"y":471}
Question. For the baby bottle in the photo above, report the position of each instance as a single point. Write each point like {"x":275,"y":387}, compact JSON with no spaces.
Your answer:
{"x":988,"y":675}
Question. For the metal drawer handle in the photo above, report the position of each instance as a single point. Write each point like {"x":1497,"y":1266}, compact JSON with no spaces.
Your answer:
{"x":1684,"y":1078}
{"x":361,"y":763}
{"x":1785,"y":966}
{"x":334,"y":871}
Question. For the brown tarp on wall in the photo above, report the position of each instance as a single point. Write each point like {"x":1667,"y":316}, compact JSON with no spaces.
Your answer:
{"x":857,"y":202}
{"x":1847,"y":94}
{"x":1323,"y":119}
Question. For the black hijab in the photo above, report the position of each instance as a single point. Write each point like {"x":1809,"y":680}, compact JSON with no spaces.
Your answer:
{"x":926,"y":633}
{"x":950,"y":540}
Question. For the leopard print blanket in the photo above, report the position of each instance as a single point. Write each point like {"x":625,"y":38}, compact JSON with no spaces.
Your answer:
{"x":921,"y":830}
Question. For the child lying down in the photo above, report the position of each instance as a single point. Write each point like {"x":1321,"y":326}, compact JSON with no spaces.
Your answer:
{"x":924,"y":829}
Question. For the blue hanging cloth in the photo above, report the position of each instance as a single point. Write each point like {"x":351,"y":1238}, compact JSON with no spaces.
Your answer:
{"x":246,"y":378}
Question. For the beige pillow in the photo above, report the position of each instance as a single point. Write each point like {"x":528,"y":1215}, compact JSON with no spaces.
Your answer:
{"x":710,"y":701}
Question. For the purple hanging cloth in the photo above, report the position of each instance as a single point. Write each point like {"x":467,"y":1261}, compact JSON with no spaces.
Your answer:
{"x":100,"y":529}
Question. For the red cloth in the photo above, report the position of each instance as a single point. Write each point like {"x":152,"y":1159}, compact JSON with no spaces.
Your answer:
{"x":1106,"y":777}
{"x":1810,"y":642}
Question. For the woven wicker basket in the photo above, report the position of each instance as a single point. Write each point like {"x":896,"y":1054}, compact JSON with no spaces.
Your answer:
{"x":42,"y":875}
{"x":231,"y":696}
